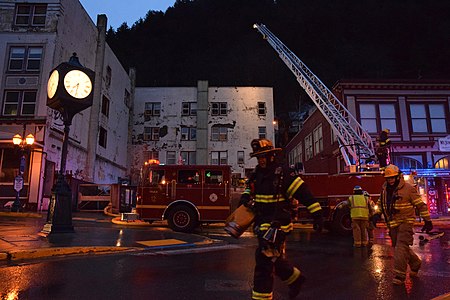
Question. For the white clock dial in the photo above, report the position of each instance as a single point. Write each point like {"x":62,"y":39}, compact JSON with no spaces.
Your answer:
{"x":78,"y":84}
{"x":52,"y":84}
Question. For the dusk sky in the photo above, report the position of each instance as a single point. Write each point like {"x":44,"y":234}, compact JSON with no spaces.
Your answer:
{"x":119,"y":11}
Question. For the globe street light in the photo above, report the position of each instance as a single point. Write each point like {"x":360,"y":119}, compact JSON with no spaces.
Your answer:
{"x":18,"y":180}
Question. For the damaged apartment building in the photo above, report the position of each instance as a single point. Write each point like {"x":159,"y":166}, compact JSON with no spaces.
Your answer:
{"x":200,"y":125}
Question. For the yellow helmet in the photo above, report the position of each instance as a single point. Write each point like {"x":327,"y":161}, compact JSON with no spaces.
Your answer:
{"x":391,"y":171}
{"x":386,"y":130}
{"x":262,"y":147}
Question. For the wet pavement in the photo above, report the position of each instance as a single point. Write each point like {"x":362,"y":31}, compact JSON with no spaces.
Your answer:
{"x":94,"y":233}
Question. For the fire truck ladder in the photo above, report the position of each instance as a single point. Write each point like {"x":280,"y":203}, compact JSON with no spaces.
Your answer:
{"x":355,"y":143}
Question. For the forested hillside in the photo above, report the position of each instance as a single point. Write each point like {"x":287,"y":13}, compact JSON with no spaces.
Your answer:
{"x":214,"y":40}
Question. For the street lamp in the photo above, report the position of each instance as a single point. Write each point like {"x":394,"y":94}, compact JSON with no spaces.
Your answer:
{"x":18,"y":180}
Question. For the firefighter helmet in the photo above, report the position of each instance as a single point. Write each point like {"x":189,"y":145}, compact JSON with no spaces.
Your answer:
{"x":391,"y":171}
{"x":357,"y":188}
{"x":386,"y":130}
{"x":262,"y":146}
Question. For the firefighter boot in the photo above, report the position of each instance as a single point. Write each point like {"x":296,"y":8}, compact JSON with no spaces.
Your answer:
{"x":294,"y":288}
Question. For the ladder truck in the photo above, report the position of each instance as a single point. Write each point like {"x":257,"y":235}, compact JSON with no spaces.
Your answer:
{"x":354,"y":142}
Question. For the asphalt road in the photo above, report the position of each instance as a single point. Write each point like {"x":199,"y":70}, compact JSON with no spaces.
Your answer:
{"x":334,"y":270}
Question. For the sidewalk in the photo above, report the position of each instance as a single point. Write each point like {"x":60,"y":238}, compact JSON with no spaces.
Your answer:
{"x":94,"y":233}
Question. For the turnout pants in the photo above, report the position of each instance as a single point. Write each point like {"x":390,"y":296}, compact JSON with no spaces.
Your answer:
{"x":360,"y":227}
{"x":402,"y":238}
{"x":266,"y":267}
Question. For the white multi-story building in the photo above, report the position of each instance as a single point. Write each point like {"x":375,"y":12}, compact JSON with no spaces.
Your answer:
{"x":36,"y":37}
{"x":200,"y":125}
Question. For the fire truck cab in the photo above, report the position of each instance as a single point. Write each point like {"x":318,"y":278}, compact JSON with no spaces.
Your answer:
{"x":332,"y":190}
{"x":184,"y":195}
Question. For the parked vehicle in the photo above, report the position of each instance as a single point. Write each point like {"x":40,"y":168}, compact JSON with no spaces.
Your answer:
{"x":184,"y":195}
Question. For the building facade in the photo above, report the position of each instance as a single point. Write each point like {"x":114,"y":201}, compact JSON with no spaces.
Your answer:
{"x":37,"y":36}
{"x":417,"y":116}
{"x":200,"y":125}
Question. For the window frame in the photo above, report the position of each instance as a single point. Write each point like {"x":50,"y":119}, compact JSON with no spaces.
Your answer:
{"x":188,"y":133}
{"x":26,"y":59}
{"x":309,"y":147}
{"x":318,"y":139}
{"x":427,"y":118}
{"x":219,"y":108}
{"x":219,"y":133}
{"x":221,"y":159}
{"x":188,"y":108}
{"x":103,"y":137}
{"x":262,"y":132}
{"x":152,"y":109}
{"x":151,"y":133}
{"x":262,"y":108}
{"x":105,"y":106}
{"x":20,"y":102}
{"x":188,"y":157}
{"x":31,"y":15}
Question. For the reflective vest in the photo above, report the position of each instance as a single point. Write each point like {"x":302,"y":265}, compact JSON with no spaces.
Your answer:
{"x":358,"y":207}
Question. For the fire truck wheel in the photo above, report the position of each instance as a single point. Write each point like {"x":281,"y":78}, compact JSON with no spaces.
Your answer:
{"x":182,"y":218}
{"x":342,"y":222}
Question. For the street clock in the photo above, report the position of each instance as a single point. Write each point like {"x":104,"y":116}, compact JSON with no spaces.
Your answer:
{"x":70,"y":87}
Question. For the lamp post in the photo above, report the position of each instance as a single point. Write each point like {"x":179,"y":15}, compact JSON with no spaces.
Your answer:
{"x":69,"y":91}
{"x":18,"y":180}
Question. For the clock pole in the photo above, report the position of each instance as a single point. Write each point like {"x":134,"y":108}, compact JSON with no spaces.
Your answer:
{"x":62,"y":97}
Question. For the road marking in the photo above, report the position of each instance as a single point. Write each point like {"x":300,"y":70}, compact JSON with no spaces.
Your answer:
{"x":159,"y":243}
{"x":189,"y":250}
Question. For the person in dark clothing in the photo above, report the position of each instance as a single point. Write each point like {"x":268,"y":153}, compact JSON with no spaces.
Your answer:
{"x":275,"y":187}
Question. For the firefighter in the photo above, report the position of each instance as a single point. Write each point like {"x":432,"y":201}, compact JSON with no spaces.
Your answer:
{"x":373,"y":218}
{"x":359,"y":212}
{"x":274,"y":188}
{"x":398,"y":201}
{"x":383,"y":149}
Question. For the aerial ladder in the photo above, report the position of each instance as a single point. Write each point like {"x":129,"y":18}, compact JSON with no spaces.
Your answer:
{"x":354,"y":142}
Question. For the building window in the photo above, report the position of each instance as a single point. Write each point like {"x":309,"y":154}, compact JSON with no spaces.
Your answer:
{"x":428,"y":118}
{"x":103,"y":137}
{"x":148,"y":155}
{"x":19,"y":103}
{"x":308,"y":147}
{"x":219,"y":133}
{"x":442,"y":163}
{"x":262,"y":109}
{"x":296,"y":155}
{"x":188,"y":157}
{"x":108,"y":76}
{"x":171,"y":158}
{"x":240,"y":157}
{"x":188,"y":133}
{"x":318,"y":139}
{"x":105,"y":106}
{"x":262,"y":132}
{"x":189,"y":108}
{"x":151,"y":133}
{"x":152,"y":109}
{"x":30,"y":14}
{"x":218,"y":108}
{"x":219,"y":158}
{"x":24,"y":59}
{"x":407,"y":163}
{"x":376,"y":117}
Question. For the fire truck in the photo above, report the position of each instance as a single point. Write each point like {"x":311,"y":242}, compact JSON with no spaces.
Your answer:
{"x":184,"y":195}
{"x":355,"y":145}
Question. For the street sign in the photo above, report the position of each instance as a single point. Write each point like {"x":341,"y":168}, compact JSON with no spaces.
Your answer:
{"x":18,"y":183}
{"x":22,"y":165}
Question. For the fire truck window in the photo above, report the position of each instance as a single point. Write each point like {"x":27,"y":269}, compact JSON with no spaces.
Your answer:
{"x":213,"y":177}
{"x":156,"y":177}
{"x":189,"y":176}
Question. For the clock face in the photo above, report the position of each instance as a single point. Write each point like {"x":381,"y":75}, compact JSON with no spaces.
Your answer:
{"x":52,"y":84}
{"x":78,"y":84}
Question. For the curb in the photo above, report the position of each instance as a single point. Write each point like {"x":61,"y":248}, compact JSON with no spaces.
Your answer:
{"x":54,"y":252}
{"x":20,"y":215}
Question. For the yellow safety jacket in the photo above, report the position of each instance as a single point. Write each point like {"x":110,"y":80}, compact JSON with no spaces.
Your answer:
{"x":359,"y":207}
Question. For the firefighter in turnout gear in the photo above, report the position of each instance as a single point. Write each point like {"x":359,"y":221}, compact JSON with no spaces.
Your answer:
{"x":276,"y":187}
{"x":398,"y":202}
{"x":383,"y":150}
{"x":359,"y":212}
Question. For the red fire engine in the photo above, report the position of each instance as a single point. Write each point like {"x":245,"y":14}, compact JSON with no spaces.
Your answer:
{"x":332,"y":190}
{"x":184,"y":195}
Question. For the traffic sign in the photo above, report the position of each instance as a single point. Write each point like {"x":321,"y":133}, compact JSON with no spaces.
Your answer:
{"x":18,"y":183}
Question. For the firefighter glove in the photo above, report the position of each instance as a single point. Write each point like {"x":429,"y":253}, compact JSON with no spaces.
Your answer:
{"x":245,"y":200}
{"x":318,"y":221}
{"x":427,"y":227}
